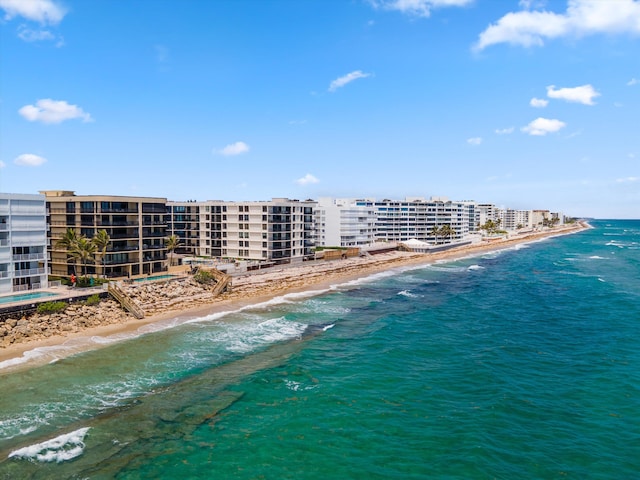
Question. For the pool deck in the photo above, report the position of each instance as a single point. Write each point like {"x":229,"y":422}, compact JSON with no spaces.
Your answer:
{"x":62,"y":292}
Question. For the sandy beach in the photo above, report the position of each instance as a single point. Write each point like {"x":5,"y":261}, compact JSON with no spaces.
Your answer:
{"x":257,"y":287}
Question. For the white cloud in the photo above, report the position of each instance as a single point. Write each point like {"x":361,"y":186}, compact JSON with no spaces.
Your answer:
{"x":542,"y":126}
{"x":628,"y":180}
{"x":236,"y":148}
{"x":505,"y":131}
{"x":348,"y":78}
{"x":29,"y":35}
{"x":538,"y":102}
{"x":29,"y":160}
{"x":632,"y":82}
{"x":307,"y":180}
{"x":41,"y":11}
{"x":2,"y":164}
{"x":583,"y":94}
{"x":474,"y":141}
{"x":419,"y":8}
{"x":53,"y":111}
{"x":582,"y":18}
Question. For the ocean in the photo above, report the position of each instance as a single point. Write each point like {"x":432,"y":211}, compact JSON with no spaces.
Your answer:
{"x":516,"y":364}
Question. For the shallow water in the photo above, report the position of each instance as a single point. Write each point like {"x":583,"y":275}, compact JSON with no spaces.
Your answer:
{"x":523,"y":363}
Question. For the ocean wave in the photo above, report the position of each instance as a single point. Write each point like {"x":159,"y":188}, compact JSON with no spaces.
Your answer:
{"x":407,"y":293}
{"x":475,"y":267}
{"x":59,"y":449}
{"x":244,"y":338}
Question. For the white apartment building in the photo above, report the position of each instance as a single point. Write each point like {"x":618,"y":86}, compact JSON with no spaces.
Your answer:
{"x":486,"y":212}
{"x":514,"y":219}
{"x":23,"y":242}
{"x":278,"y":231}
{"x":416,"y":218}
{"x":342,"y":223}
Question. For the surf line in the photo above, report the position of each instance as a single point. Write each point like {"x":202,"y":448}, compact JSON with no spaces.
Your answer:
{"x":111,"y":439}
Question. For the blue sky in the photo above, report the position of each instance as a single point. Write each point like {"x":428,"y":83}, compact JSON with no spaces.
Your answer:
{"x":525,"y":104}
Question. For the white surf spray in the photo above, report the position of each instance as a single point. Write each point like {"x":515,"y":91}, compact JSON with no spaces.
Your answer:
{"x":62,"y":448}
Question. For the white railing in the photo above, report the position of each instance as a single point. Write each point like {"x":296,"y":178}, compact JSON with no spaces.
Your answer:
{"x":29,"y":272}
{"x":4,"y":274}
{"x":28,"y":256}
{"x":57,"y":283}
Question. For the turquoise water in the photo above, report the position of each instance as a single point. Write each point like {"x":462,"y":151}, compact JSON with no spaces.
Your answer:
{"x":517,"y":364}
{"x":25,"y":296}
{"x":157,"y":277}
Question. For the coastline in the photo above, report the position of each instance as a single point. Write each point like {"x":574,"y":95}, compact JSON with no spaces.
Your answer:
{"x":251,"y":290}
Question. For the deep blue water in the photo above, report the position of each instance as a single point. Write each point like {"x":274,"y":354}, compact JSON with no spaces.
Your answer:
{"x":517,"y":364}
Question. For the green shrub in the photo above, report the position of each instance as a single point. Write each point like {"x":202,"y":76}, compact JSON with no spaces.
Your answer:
{"x":51,"y":307}
{"x":204,"y":277}
{"x":93,"y":300}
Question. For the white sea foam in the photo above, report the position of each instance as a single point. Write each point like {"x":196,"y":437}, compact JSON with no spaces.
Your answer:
{"x":59,"y":449}
{"x":327,"y":327}
{"x":597,"y":257}
{"x":243,"y":337}
{"x":42,"y":355}
{"x":407,"y":293}
{"x":297,"y":386}
{"x":475,"y":267}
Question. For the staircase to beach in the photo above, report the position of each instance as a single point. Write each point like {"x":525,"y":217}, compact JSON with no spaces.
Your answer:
{"x":125,"y":300}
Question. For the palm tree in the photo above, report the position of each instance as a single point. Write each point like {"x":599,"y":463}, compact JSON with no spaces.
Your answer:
{"x":172,"y":243}
{"x":68,"y":241}
{"x":84,"y":250}
{"x":101,"y":240}
{"x":447,"y":231}
{"x":435,"y":231}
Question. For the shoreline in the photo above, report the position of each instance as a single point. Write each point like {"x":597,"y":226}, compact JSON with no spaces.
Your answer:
{"x":250,"y":291}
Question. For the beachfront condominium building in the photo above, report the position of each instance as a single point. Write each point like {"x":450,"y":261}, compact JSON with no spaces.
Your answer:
{"x":136,"y":225}
{"x":418,"y":218}
{"x":514,"y":219}
{"x":342,"y":223}
{"x":276,"y":231}
{"x":183,"y":221}
{"x":486,"y":212}
{"x":23,"y":242}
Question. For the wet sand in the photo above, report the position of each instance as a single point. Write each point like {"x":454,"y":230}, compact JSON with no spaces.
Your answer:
{"x":261,"y":286}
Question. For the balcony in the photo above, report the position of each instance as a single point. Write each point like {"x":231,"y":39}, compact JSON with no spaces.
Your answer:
{"x":154,"y":234}
{"x":29,"y":272}
{"x":153,"y":247}
{"x":28,"y":257}
{"x":119,"y":210}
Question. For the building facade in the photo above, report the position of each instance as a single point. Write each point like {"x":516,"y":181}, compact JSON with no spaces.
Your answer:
{"x":342,"y":223}
{"x":277,"y":231}
{"x":418,"y":218}
{"x":183,"y":221}
{"x":136,"y":225}
{"x":23,"y":242}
